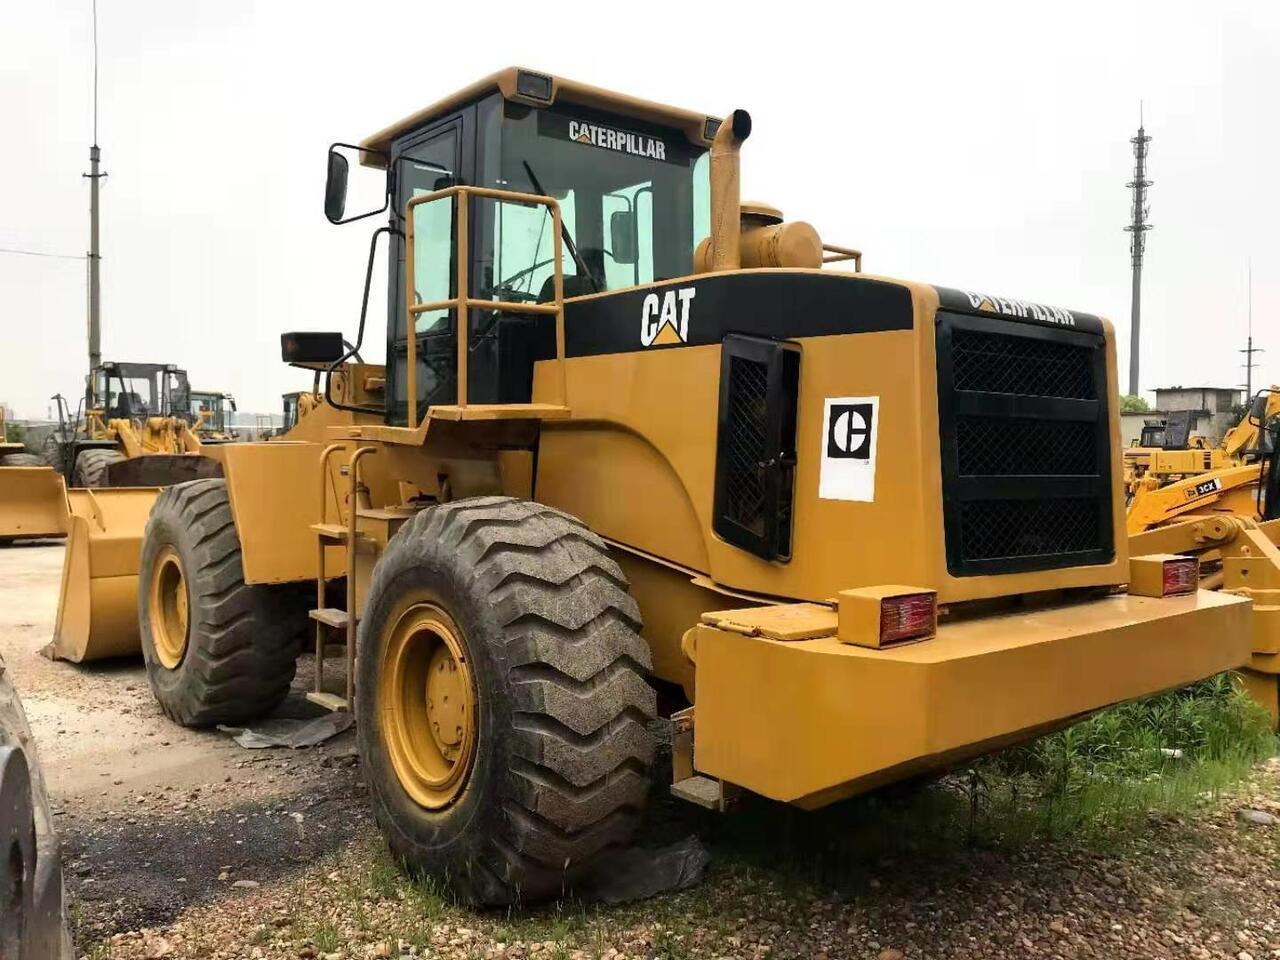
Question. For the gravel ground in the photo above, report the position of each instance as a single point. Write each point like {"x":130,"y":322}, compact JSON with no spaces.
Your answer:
{"x":180,"y":844}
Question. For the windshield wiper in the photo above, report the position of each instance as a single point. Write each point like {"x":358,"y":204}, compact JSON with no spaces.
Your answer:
{"x":564,"y":232}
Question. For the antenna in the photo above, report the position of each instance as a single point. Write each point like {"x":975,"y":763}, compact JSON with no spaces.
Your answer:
{"x":94,"y":258}
{"x":1249,"y":349}
{"x":1138,"y":228}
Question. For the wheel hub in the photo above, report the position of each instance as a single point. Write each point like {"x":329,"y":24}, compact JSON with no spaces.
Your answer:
{"x":427,"y":705}
{"x":169,"y":609}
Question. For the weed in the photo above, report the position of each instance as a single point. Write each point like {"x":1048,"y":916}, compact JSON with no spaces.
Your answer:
{"x":325,"y":937}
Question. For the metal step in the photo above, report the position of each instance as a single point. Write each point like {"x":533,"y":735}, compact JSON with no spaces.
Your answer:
{"x":332,"y":532}
{"x":330,"y":701}
{"x":703,"y":791}
{"x":330,"y":616}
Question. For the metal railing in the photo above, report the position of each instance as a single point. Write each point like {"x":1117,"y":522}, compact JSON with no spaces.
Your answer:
{"x":462,"y":302}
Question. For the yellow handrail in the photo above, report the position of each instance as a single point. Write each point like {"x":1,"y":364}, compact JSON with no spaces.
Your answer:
{"x":462,"y":302}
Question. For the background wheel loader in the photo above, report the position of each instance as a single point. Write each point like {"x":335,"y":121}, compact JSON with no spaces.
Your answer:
{"x":632,"y":445}
{"x":31,"y":495}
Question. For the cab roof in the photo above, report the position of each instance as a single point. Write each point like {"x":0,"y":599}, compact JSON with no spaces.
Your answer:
{"x":537,"y":89}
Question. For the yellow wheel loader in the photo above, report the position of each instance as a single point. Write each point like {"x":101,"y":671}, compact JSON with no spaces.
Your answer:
{"x":210,"y":416}
{"x":132,"y":411}
{"x":632,"y":438}
{"x":31,"y":494}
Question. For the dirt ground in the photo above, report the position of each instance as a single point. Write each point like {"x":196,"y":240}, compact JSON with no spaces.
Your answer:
{"x":180,"y":843}
{"x":152,"y":815}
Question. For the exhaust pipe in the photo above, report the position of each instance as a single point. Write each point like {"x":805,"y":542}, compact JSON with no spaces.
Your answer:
{"x":726,"y":196}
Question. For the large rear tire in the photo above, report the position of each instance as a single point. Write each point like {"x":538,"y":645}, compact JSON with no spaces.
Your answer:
{"x":502,"y":699}
{"x":91,"y":467}
{"x":218,"y":650}
{"x":21,"y":460}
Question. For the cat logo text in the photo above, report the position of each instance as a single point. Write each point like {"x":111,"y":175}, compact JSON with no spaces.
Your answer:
{"x":664,"y":318}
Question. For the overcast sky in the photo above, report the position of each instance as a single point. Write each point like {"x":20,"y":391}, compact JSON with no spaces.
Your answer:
{"x":980,"y":145}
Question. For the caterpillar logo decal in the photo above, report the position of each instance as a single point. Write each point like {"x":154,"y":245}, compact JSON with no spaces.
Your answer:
{"x":1022,"y":309}
{"x":665,"y":320}
{"x":622,"y":141}
{"x":849,"y":427}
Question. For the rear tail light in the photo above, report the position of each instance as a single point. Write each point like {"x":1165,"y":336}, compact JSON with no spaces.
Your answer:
{"x":908,"y":617}
{"x":1163,"y":575}
{"x":1180,"y":576}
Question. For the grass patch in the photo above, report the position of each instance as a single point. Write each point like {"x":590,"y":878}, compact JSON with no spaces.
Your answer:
{"x":1091,"y":783}
{"x":1162,"y":754}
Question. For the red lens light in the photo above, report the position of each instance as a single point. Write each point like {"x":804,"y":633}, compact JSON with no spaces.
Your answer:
{"x":1181,"y":576}
{"x":907,"y":617}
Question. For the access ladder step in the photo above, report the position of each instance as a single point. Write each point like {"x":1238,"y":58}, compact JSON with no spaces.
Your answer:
{"x":330,"y":616}
{"x":330,"y":701}
{"x":332,"y":532}
{"x":703,"y":791}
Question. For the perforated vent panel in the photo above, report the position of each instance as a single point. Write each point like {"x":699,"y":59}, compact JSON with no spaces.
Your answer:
{"x":745,"y":450}
{"x":756,"y":445}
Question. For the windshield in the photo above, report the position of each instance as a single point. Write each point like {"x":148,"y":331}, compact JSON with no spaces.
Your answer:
{"x":210,"y":404}
{"x":634,"y":198}
{"x":123,"y":397}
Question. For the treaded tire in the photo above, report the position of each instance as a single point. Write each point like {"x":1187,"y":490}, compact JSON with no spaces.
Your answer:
{"x":91,"y":467}
{"x":21,"y":460}
{"x":562,"y":757}
{"x":242,"y":640}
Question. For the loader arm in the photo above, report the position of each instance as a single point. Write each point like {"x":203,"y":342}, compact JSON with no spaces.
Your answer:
{"x":1229,"y":491}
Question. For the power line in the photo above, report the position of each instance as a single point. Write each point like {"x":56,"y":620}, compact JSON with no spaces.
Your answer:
{"x":39,"y":253}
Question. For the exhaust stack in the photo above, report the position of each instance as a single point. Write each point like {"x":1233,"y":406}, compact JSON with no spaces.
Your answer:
{"x":726,"y":196}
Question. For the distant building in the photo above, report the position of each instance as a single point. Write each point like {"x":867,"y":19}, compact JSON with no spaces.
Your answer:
{"x":1211,"y":408}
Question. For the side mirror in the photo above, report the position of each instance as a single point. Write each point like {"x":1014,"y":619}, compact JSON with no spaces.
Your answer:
{"x":622,"y":237}
{"x":335,"y":187}
{"x":233,"y":404}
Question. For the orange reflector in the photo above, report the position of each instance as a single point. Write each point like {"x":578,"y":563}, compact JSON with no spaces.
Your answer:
{"x":1180,"y":576}
{"x":908,"y":616}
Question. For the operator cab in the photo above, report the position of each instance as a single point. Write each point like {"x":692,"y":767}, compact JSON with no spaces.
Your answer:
{"x":632,"y":181}
{"x":136,"y":391}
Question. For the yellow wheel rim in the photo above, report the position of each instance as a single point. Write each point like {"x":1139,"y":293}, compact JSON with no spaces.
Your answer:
{"x":427,"y":705}
{"x":169,"y":609}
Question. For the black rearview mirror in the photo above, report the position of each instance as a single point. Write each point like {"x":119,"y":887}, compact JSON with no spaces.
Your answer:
{"x":335,"y":187}
{"x":622,"y":236}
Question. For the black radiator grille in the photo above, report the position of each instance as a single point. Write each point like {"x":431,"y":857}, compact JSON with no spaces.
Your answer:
{"x":1025,"y":441}
{"x":1004,"y":529}
{"x":996,"y":447}
{"x":1000,"y":363}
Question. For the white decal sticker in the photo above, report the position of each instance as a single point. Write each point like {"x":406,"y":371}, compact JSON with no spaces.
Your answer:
{"x":849,"y":427}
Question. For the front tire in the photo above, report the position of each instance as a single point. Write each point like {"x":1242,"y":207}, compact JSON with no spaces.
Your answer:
{"x":502,"y":699}
{"x":20,"y":460}
{"x":217,"y":650}
{"x":91,"y":467}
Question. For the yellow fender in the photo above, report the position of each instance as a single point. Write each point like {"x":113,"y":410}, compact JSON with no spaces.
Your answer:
{"x":33,"y":503}
{"x":98,"y":605}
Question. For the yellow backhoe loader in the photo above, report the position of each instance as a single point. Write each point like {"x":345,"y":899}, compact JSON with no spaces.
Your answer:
{"x":1229,"y":518}
{"x":631,"y":437}
{"x":1167,"y":453}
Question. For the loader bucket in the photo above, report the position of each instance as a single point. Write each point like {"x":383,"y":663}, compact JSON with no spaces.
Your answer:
{"x":32,"y":503}
{"x":98,"y":606}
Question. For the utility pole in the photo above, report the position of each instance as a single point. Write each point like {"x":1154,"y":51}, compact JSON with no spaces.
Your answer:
{"x":94,"y":257}
{"x":1249,"y":349}
{"x":1138,"y":227}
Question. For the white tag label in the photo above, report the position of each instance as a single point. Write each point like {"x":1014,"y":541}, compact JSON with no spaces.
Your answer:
{"x":849,"y":428}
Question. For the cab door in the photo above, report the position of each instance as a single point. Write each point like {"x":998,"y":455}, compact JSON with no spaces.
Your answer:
{"x":425,"y":162}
